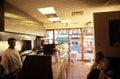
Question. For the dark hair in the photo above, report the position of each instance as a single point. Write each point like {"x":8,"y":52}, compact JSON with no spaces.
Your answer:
{"x":100,"y":54}
{"x":10,"y":39}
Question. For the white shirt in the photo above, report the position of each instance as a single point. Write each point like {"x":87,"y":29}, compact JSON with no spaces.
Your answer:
{"x":11,"y":61}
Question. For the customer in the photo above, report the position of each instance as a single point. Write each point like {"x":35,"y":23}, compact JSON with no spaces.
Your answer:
{"x":11,"y":61}
{"x":99,"y":67}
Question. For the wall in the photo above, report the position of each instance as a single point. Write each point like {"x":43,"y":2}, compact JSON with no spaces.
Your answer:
{"x":4,"y":46}
{"x":19,"y":37}
{"x":101,"y":28}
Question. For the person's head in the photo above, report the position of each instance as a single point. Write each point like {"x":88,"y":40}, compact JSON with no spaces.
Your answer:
{"x":99,"y":56}
{"x":12,"y":43}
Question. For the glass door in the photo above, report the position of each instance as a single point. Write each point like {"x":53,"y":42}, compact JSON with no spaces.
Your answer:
{"x":75,"y":42}
{"x":75,"y":45}
{"x":88,"y":43}
{"x":88,"y":46}
{"x":50,"y":37}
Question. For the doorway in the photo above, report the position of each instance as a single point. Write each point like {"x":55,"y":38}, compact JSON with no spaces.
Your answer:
{"x":88,"y":46}
{"x":75,"y":45}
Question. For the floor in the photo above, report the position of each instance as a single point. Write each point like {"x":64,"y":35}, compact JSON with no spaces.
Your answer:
{"x":78,"y":70}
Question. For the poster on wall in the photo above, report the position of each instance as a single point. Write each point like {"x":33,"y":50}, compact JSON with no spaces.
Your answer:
{"x":114,"y":32}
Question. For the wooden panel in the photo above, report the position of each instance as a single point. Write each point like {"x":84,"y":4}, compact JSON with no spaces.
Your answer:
{"x":102,"y":40}
{"x":36,"y":67}
{"x":1,"y":15}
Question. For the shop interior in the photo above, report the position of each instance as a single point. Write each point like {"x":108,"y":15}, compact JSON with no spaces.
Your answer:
{"x":54,"y":42}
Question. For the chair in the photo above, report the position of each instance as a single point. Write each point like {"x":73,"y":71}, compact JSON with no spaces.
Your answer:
{"x":73,"y":56}
{"x":1,"y":71}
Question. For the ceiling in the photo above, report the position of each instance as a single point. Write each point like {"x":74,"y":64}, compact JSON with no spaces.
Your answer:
{"x":80,"y":12}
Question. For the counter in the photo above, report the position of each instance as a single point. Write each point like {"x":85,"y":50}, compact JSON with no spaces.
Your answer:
{"x":40,"y":66}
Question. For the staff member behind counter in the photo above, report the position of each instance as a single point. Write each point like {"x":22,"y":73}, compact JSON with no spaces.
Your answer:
{"x":10,"y":61}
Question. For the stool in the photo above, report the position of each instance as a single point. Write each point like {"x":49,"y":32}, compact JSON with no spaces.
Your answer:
{"x":73,"y":57}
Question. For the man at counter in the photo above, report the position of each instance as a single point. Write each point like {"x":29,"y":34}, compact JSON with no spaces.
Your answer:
{"x":11,"y":61}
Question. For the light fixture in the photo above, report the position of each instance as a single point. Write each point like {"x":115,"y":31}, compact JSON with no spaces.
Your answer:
{"x":51,"y":15}
{"x":47,"y":10}
{"x":54,"y":19}
{"x":14,"y":16}
{"x":65,"y":21}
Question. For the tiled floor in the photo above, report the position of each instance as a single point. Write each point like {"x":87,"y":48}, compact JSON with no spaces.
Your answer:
{"x":78,"y":70}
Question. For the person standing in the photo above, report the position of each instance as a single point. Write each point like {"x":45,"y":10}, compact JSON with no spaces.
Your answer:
{"x":11,"y":60}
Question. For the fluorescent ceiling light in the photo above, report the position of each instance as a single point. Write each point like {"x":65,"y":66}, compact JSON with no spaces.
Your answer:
{"x":11,"y":15}
{"x":27,"y":22}
{"x":65,"y":21}
{"x":47,"y":10}
{"x":54,"y":19}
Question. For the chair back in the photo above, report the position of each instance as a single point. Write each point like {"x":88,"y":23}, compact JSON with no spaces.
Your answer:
{"x":1,"y":70}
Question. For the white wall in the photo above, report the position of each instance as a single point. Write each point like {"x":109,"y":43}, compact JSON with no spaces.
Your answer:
{"x":4,"y":46}
{"x":19,"y":37}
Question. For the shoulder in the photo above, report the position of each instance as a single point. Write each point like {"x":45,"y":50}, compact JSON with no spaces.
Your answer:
{"x":16,"y":51}
{"x":5,"y":52}
{"x":105,"y":61}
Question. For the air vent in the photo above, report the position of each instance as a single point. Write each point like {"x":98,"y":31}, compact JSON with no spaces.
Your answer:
{"x":77,"y":13}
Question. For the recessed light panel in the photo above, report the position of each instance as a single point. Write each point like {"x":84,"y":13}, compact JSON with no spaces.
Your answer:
{"x":47,"y":10}
{"x":65,"y":21}
{"x":54,"y":19}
